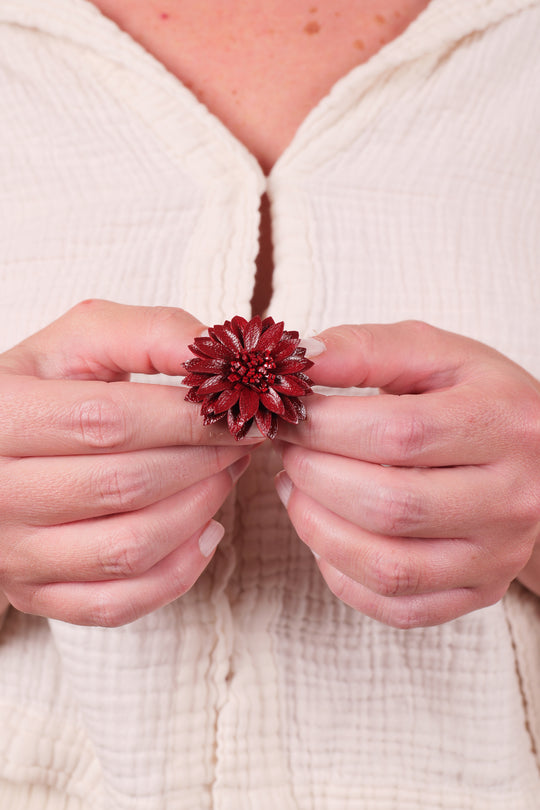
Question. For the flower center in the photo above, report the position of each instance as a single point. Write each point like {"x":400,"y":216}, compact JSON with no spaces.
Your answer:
{"x":253,"y":370}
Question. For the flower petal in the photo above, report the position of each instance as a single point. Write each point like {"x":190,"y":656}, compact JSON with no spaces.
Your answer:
{"x":206,"y":347}
{"x":291,"y":365}
{"x":234,"y":421}
{"x":298,"y":406}
{"x":252,"y":333}
{"x":226,"y":400}
{"x":193,"y":395}
{"x":290,"y":385}
{"x":212,"y":385}
{"x":211,"y":418}
{"x":266,"y":422}
{"x":226,"y":336}
{"x":243,"y":429}
{"x":238,"y":325}
{"x":270,"y":337}
{"x":271,"y":400}
{"x":286,"y":347}
{"x":194,"y":379}
{"x":249,"y":402}
{"x":205,"y":365}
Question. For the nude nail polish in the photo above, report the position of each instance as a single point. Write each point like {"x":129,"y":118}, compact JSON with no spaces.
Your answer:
{"x":313,"y":346}
{"x":284,"y":487}
{"x":210,"y":538}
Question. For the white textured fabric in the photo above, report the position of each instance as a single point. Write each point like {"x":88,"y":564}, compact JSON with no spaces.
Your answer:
{"x":411,"y":191}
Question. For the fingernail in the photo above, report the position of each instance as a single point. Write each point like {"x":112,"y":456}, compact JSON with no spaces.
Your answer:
{"x":313,"y":346}
{"x":235,"y":470}
{"x":253,"y":433}
{"x":210,"y":538}
{"x":284,"y":487}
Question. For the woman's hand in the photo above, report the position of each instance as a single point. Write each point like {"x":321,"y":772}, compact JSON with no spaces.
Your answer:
{"x":422,"y":503}
{"x":107,"y":487}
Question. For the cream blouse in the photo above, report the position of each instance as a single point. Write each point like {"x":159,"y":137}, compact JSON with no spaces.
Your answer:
{"x":411,"y":191}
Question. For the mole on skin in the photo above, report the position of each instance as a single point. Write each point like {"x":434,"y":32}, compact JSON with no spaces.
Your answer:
{"x":312,"y":28}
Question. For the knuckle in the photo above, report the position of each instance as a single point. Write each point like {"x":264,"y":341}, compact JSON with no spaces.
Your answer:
{"x":406,"y":616}
{"x":363,"y":335}
{"x":122,"y":488}
{"x":100,"y":423}
{"x":122,"y":555}
{"x":404,"y":439}
{"x":89,"y":307}
{"x":398,"y":512}
{"x":106,"y":611}
{"x":421,"y":329}
{"x":392,"y":575}
{"x":183,"y":580}
{"x":160,"y":316}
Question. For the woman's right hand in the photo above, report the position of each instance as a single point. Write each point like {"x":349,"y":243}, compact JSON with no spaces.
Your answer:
{"x":107,"y":487}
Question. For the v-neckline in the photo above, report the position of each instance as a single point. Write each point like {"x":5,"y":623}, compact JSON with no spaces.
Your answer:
{"x":441,"y":20}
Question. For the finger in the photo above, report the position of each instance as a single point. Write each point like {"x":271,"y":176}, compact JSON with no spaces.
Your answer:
{"x":402,"y":501}
{"x":390,"y":566}
{"x":65,"y":417}
{"x":117,"y":602}
{"x":102,"y":340}
{"x":118,"y":546}
{"x":56,"y":490}
{"x":441,"y":429}
{"x":408,"y":612}
{"x":407,"y":357}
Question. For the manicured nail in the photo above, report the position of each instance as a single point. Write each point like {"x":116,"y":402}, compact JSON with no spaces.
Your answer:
{"x":235,"y":470}
{"x":210,"y":538}
{"x":313,"y":346}
{"x":284,"y":487}
{"x":253,"y":433}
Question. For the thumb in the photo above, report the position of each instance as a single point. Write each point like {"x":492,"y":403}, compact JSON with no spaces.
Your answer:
{"x":407,"y":357}
{"x":101,"y":340}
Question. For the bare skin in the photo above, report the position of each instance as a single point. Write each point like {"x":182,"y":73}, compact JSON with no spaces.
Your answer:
{"x":226,"y":55}
{"x":410,"y":557}
{"x":261,"y":67}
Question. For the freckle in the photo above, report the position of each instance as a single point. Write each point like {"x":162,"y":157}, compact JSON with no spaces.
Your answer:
{"x":313,"y":9}
{"x":359,"y":44}
{"x":397,"y":14}
{"x":312,"y":28}
{"x":235,"y":92}
{"x":337,"y":13}
{"x":380,"y":19}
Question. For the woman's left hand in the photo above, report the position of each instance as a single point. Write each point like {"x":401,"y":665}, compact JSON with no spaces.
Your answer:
{"x":421,"y":503}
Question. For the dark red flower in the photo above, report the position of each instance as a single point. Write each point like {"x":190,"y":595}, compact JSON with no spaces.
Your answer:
{"x":248,"y":371}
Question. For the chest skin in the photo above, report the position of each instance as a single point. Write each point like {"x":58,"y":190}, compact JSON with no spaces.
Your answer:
{"x":261,"y":67}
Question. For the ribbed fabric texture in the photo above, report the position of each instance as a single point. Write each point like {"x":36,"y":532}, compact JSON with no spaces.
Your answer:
{"x":411,"y":191}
